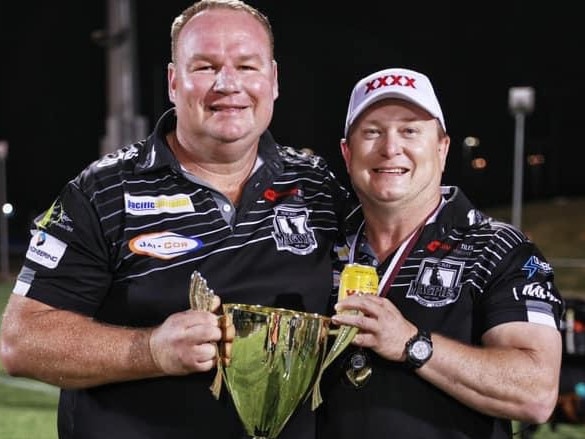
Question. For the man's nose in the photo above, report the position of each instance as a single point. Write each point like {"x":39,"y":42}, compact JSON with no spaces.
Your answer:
{"x":227,"y":80}
{"x":391,"y":144}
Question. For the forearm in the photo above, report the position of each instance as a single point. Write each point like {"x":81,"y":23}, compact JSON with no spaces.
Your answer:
{"x":57,"y":349}
{"x":499,"y":381}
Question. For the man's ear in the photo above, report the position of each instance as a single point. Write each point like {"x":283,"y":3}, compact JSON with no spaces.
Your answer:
{"x":275,"y":79}
{"x":345,"y":152}
{"x":171,"y":83}
{"x":443,"y":147}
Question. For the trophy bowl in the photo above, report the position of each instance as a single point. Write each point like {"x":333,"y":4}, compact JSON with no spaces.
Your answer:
{"x":276,"y":358}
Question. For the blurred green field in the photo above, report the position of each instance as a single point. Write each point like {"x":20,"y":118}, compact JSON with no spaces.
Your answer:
{"x":28,"y":408}
{"x":558,"y":228}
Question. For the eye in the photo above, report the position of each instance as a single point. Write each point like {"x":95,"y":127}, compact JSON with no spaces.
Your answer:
{"x":247,"y":67}
{"x":410,"y":131}
{"x":371,"y":133}
{"x":202,"y":67}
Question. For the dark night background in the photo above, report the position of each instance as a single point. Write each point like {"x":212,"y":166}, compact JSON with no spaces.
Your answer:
{"x":53,"y":84}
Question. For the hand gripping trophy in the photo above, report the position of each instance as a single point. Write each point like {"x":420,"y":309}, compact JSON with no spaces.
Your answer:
{"x":277,"y":359}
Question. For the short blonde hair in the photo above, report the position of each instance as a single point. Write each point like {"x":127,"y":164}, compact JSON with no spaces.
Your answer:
{"x":236,"y":5}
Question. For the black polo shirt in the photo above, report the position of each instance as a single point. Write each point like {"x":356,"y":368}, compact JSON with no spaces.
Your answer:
{"x":121,"y":240}
{"x":465,"y":274}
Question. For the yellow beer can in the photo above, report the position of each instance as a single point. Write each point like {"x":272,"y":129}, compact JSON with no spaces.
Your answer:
{"x":357,"y":279}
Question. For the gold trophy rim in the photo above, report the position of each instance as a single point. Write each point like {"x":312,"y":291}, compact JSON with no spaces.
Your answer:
{"x":264,"y":308}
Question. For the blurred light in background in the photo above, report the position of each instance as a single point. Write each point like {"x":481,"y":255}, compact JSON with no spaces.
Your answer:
{"x":7,"y":210}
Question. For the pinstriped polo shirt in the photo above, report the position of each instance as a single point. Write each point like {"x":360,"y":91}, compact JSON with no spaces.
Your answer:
{"x":465,"y":274}
{"x":121,"y":240}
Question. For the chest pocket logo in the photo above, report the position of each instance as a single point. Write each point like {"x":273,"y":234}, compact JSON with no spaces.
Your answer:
{"x":437,"y":282}
{"x":291,"y":231}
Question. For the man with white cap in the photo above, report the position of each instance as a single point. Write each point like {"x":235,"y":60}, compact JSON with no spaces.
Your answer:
{"x":463,"y":335}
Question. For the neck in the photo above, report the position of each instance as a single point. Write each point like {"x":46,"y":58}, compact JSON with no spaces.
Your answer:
{"x":228,"y":177}
{"x":385,"y":239}
{"x":386,"y":231}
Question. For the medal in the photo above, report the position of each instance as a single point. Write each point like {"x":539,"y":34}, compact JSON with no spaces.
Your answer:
{"x":358,"y":371}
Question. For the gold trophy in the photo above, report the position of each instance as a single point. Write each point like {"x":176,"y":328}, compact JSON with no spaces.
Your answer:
{"x":276,"y":360}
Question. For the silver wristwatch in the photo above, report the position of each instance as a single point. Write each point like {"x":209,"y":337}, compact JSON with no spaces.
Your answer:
{"x":419,"y":349}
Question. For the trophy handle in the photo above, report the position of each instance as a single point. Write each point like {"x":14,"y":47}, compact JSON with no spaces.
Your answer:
{"x":343,"y":337}
{"x":201,"y":299}
{"x":218,"y":380}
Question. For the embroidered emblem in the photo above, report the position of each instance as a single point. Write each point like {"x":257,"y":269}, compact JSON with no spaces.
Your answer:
{"x":291,"y":231}
{"x":437,"y":282}
{"x":534,"y":265}
{"x":55,"y":216}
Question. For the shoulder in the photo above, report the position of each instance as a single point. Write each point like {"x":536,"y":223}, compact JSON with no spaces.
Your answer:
{"x":301,"y":157}
{"x":112,"y":163}
{"x":505,"y":232}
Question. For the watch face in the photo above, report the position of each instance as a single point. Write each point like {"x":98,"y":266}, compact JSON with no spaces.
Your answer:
{"x":421,"y":350}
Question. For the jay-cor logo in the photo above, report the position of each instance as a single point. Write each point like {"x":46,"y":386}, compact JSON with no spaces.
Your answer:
{"x":163,"y":245}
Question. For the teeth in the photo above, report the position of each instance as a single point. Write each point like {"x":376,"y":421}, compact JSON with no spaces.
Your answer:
{"x":391,"y":171}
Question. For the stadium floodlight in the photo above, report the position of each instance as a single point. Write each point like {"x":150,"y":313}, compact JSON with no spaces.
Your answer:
{"x":520,"y":103}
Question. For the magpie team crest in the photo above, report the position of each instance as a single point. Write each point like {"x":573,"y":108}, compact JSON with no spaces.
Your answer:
{"x":437,"y":282}
{"x":291,"y":231}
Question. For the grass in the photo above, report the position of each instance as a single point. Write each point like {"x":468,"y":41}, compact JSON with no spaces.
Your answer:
{"x":28,"y":409}
{"x":558,"y":228}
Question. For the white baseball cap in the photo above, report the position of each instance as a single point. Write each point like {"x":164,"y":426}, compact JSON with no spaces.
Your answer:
{"x":393,"y":83}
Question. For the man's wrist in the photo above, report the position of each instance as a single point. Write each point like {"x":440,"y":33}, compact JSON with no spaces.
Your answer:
{"x":418,"y":350}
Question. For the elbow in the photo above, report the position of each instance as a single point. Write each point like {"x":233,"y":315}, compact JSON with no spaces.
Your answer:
{"x":9,"y":356}
{"x":540,"y":410}
{"x":548,"y":404}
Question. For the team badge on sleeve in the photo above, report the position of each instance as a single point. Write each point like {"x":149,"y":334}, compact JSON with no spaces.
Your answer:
{"x":534,"y":265}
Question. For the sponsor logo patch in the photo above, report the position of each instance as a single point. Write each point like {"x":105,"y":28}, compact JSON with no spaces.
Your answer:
{"x":437,"y":282}
{"x":45,"y":249}
{"x":122,"y":154}
{"x":55,"y":216}
{"x":291,"y":232}
{"x":147,"y":205}
{"x":163,"y":245}
{"x":534,"y":265}
{"x":535,"y":291}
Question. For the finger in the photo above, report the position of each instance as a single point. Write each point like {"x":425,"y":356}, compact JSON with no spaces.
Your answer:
{"x":227,"y":327}
{"x":201,"y":334}
{"x":364,"y":340}
{"x":193,"y":318}
{"x":205,"y":366}
{"x":368,"y":304}
{"x":205,"y":353}
{"x":225,"y":353}
{"x":215,"y":304}
{"x":365,"y":323}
